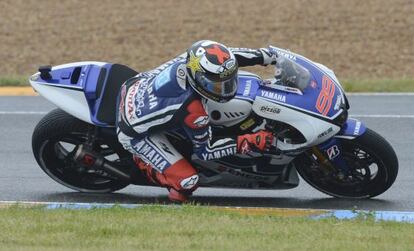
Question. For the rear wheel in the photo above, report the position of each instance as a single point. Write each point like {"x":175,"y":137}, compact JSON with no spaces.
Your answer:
{"x":373,"y":168}
{"x":54,"y":142}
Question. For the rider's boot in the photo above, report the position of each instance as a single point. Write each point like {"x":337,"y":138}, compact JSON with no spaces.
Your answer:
{"x":180,"y":178}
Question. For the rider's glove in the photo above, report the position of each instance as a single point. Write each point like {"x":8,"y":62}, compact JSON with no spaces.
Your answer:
{"x":256,"y":142}
{"x":269,"y":56}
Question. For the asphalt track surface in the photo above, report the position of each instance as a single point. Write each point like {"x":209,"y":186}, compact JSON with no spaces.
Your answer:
{"x":22,"y":180}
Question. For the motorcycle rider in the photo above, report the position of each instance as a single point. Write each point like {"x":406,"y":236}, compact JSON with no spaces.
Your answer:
{"x":173,"y":97}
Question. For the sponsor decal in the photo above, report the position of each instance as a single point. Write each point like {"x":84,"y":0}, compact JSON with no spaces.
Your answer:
{"x":189,"y":182}
{"x":144,"y":97}
{"x":219,"y":53}
{"x":145,"y":151}
{"x":229,"y":64}
{"x":165,"y":148}
{"x":273,"y":95}
{"x":228,"y":68}
{"x":130,"y":104}
{"x":139,"y":99}
{"x":333,"y":152}
{"x":180,"y":73}
{"x":286,"y":55}
{"x":323,"y":134}
{"x":194,"y":64}
{"x":357,"y":127}
{"x":201,"y":121}
{"x":247,"y":88}
{"x":313,"y":84}
{"x":152,"y":98}
{"x":163,"y":78}
{"x":219,"y":153}
{"x":247,"y":124}
{"x":122,"y":104}
{"x":270,"y":109}
{"x":244,"y":147}
{"x":324,"y":101}
{"x":291,"y":89}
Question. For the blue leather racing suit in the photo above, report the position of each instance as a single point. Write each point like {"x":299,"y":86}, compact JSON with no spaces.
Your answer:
{"x":157,"y":102}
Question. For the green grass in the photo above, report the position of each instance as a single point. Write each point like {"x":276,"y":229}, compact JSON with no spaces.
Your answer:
{"x":350,"y":85}
{"x":190,"y":228}
{"x":379,"y":85}
{"x":14,"y":81}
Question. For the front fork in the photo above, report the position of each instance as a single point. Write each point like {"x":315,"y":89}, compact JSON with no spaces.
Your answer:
{"x":330,"y":155}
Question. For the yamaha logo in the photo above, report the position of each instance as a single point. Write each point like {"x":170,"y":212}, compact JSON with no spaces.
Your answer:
{"x":269,"y":109}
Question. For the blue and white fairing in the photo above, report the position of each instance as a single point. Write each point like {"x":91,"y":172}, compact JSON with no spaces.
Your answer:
{"x":79,"y":89}
{"x":321,"y":95}
{"x":306,"y":96}
{"x":350,"y":128}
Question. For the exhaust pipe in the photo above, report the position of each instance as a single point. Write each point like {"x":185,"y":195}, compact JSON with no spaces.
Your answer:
{"x":89,"y":158}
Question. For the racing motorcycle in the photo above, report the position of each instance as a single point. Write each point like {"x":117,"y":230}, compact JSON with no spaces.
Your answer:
{"x":304,"y":105}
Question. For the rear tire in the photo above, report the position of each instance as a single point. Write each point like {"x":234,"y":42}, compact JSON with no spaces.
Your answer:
{"x":54,"y":142}
{"x":371,"y":159}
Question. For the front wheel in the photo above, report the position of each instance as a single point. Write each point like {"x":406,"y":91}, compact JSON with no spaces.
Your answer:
{"x":373,"y":168}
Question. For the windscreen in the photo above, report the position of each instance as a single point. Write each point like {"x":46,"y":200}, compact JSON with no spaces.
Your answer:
{"x":290,"y":73}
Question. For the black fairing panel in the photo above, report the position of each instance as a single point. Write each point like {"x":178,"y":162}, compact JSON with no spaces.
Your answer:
{"x":117,"y":75}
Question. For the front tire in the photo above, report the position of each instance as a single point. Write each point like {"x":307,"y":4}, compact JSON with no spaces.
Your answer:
{"x":54,"y":142}
{"x":373,"y":166}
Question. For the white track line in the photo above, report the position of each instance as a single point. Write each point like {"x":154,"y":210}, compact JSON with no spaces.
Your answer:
{"x":385,"y":116}
{"x":21,"y":112}
{"x":380,"y":94}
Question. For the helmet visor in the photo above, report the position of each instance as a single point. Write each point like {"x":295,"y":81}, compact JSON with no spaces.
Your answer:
{"x":222,"y":89}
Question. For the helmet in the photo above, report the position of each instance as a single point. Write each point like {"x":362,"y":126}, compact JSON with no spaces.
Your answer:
{"x":212,"y":70}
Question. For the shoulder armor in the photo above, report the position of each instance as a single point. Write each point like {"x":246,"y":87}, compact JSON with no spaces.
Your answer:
{"x":171,"y":82}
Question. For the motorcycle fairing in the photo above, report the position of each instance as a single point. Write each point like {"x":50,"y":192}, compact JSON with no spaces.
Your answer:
{"x":248,"y":85}
{"x":353,"y":128}
{"x":323,"y":90}
{"x":313,"y":129}
{"x":233,"y":173}
{"x":87,"y":90}
{"x":239,"y":108}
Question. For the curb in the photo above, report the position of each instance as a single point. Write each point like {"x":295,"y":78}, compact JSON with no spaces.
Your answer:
{"x":17,"y":91}
{"x":316,"y":214}
{"x":397,"y":216}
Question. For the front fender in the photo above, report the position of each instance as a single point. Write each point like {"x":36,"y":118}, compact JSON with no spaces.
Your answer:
{"x":352,"y":129}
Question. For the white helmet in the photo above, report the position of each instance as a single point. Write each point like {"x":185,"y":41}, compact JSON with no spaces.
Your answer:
{"x":212,"y":70}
